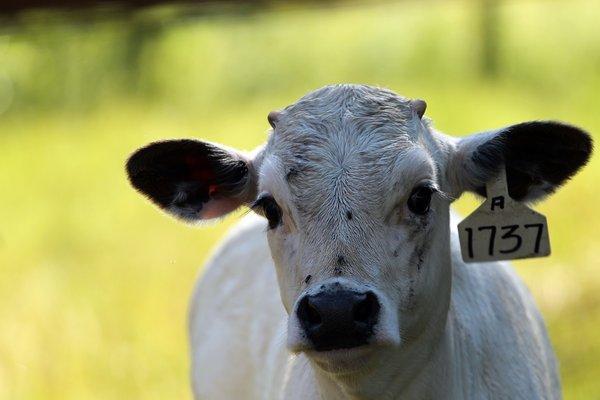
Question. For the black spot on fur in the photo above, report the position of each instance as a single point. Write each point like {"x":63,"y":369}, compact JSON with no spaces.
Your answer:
{"x":291,"y":174}
{"x":307,"y":279}
{"x":190,"y":170}
{"x":534,"y":152}
{"x":341,"y":260}
{"x":420,"y":257}
{"x":411,"y":303}
{"x":337,"y":271}
{"x":349,"y":215}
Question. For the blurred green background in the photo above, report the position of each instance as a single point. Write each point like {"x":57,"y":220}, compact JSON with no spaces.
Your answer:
{"x":94,"y":281}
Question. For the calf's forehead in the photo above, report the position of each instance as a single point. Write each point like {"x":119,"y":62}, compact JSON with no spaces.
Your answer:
{"x":334,"y":121}
{"x":354,"y":110}
{"x":343,"y":144}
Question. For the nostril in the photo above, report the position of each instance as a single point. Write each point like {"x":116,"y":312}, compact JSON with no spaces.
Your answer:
{"x":308,"y":313}
{"x":366,"y":309}
{"x":312,"y":315}
{"x":361,"y":311}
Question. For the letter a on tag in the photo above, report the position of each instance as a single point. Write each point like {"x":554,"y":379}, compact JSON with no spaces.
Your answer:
{"x":502,"y":228}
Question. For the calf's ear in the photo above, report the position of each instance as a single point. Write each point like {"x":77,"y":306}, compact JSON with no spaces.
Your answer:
{"x":539,"y":157}
{"x":191,"y":179}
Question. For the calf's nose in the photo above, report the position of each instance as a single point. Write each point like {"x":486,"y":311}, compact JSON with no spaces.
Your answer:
{"x":338,"y":319}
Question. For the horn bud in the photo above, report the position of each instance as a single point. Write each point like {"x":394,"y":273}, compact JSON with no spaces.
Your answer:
{"x":418,"y":106}
{"x":273,"y":118}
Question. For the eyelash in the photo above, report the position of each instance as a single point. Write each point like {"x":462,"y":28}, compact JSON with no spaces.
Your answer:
{"x":268,"y":207}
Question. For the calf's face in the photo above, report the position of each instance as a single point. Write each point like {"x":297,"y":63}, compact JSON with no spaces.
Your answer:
{"x":355,"y":188}
{"x":351,"y":193}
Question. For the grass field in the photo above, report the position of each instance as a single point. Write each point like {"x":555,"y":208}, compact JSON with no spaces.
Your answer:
{"x":94,"y":281}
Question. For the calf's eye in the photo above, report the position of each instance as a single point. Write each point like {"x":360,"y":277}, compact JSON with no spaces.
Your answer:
{"x":268,"y":207}
{"x":420,"y":199}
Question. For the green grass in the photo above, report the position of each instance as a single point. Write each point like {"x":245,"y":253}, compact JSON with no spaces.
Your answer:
{"x":94,"y":281}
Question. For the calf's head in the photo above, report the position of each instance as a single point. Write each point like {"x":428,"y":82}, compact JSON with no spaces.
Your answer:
{"x":355,"y":187}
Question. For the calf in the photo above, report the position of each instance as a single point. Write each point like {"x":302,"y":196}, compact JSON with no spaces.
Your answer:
{"x":351,"y":197}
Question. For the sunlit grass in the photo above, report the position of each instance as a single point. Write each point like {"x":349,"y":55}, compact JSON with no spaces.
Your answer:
{"x":95,"y":281}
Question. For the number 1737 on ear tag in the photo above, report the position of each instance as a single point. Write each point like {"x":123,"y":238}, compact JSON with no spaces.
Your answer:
{"x":502,"y":228}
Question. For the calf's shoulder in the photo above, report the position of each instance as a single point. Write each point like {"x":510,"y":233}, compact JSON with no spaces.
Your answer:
{"x":499,"y":339}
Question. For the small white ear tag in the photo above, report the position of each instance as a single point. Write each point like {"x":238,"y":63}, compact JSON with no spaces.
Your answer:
{"x":502,"y":228}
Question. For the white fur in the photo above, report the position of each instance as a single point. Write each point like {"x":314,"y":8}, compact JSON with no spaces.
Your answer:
{"x":447,"y":330}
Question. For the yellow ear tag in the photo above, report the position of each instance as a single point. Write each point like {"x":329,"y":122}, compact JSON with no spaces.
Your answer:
{"x":502,"y":228}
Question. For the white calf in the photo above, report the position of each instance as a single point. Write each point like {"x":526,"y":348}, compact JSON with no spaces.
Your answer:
{"x":374,"y":300}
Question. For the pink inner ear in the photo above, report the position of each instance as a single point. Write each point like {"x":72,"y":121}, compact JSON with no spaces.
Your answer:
{"x":199,"y":168}
{"x":218,"y":208}
{"x":202,"y":174}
